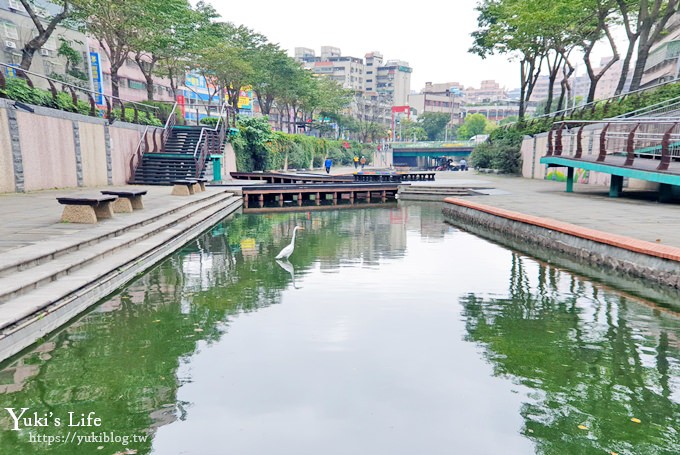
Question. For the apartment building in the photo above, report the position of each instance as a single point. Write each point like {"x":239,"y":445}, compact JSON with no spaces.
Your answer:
{"x":377,"y":81}
{"x":488,"y":92}
{"x":443,"y":97}
{"x":663,"y":63}
{"x":93,"y":72}
{"x":394,"y":81}
{"x":378,"y":85}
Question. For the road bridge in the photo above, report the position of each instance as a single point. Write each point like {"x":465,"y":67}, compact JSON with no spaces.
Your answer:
{"x":428,"y":154}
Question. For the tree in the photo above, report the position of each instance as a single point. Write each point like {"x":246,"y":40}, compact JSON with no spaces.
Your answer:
{"x":434,"y":124}
{"x":473,"y":125}
{"x":116,"y":25}
{"x":502,"y":30}
{"x":167,"y":29}
{"x":44,"y":31}
{"x":198,"y":32}
{"x":274,"y":71}
{"x":644,"y":22}
{"x":411,"y":130}
{"x":595,"y":26}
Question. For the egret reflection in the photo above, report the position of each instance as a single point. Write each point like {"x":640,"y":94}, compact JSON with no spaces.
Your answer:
{"x":288,"y":267}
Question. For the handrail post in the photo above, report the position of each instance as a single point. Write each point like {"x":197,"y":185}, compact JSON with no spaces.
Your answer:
{"x":53,"y":89}
{"x":122,"y":111}
{"x":603,"y":143}
{"x":74,"y":98}
{"x":93,"y":105}
{"x":22,"y":74}
{"x":558,"y":139}
{"x":630,"y":144}
{"x":579,"y":143}
{"x":109,"y":108}
{"x":665,"y":153}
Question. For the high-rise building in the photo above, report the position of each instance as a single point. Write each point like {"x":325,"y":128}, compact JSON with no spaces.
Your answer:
{"x":394,"y":81}
{"x":378,"y":86}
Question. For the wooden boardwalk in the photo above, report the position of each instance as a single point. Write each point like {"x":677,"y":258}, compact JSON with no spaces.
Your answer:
{"x":261,"y":196}
{"x":278,"y":177}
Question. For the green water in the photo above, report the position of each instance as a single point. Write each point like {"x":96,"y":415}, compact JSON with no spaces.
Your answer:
{"x":390,"y":332}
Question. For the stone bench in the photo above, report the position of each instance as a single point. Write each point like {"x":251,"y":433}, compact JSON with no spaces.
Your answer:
{"x":86,"y":209}
{"x":202,"y":181}
{"x":185,"y":187}
{"x":128,"y":200}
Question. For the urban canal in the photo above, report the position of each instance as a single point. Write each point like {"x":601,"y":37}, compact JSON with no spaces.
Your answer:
{"x":389,"y":332}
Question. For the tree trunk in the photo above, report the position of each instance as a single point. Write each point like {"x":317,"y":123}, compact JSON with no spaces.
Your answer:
{"x":626,"y":65}
{"x":643,"y":54}
{"x":115,"y":81}
{"x":43,"y":33}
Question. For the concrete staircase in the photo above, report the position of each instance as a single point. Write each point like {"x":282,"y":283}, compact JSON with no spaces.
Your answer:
{"x":175,"y":162}
{"x":424,"y":192}
{"x":44,"y":285}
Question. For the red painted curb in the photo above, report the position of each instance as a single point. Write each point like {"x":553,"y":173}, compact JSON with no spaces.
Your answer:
{"x":627,"y":243}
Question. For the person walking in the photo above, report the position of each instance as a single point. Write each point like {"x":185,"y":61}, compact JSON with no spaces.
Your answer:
{"x":328,"y":164}
{"x":363,"y":162}
{"x":356,"y":161}
{"x":463,"y":165}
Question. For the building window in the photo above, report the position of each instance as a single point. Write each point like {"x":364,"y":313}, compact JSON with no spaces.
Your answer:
{"x":136,"y":85}
{"x":16,"y":5}
{"x":50,"y":44}
{"x":11,"y":31}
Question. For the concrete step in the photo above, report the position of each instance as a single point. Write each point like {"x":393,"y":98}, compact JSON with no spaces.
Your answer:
{"x":32,"y":315}
{"x":19,"y":283}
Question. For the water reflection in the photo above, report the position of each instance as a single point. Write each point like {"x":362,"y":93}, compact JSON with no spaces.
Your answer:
{"x":592,"y":361}
{"x":288,"y":267}
{"x":388,"y":307}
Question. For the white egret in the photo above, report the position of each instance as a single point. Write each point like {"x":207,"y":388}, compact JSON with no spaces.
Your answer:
{"x":287,"y":251}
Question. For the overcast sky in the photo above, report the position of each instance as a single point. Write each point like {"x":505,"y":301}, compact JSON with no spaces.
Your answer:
{"x":433,"y":36}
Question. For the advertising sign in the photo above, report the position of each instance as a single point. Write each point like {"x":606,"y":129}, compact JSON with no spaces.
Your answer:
{"x":97,"y":79}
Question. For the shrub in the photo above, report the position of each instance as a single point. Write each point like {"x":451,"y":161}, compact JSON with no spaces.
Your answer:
{"x":209,"y":121}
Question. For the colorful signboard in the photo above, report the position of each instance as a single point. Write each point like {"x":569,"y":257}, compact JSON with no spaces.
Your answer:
{"x":245,"y":98}
{"x":97,"y":78}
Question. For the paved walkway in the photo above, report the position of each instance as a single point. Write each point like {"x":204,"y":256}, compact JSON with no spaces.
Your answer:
{"x":30,"y":218}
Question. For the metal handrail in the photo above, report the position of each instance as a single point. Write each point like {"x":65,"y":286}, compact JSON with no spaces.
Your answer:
{"x":139,"y":151}
{"x":199,"y":158}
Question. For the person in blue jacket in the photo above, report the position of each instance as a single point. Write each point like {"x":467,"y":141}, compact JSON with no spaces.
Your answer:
{"x":328,"y":164}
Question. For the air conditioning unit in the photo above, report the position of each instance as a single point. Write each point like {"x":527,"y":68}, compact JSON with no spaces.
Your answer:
{"x":10,"y":44}
{"x":45,"y":52}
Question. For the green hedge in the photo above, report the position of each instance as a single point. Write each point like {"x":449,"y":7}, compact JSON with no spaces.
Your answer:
{"x":258,"y":148}
{"x":18,"y":90}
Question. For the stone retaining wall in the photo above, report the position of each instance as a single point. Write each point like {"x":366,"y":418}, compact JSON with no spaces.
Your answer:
{"x":588,"y":250}
{"x":50,"y":149}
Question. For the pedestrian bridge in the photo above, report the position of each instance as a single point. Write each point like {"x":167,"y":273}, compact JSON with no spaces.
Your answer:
{"x":644,"y":149}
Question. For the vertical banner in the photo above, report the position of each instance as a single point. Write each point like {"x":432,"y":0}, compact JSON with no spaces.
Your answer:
{"x":97,"y":78}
